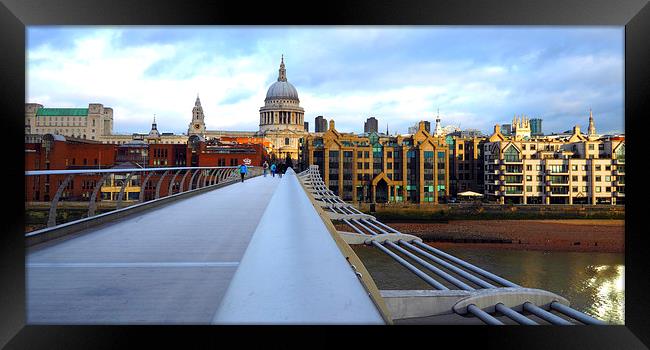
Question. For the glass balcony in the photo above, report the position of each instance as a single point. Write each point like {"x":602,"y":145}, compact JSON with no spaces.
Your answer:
{"x":559,"y":193}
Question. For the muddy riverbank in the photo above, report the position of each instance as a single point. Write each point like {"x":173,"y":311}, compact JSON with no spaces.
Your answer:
{"x":591,"y":235}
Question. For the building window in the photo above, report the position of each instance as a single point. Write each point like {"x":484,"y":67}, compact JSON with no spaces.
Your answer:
{"x":574,"y":167}
{"x":574,"y":189}
{"x":574,"y":178}
{"x":591,"y":147}
{"x":597,"y":189}
{"x":529,"y":178}
{"x":598,"y":179}
{"x":359,"y":154}
{"x":608,"y":178}
{"x":511,"y":154}
{"x":597,"y":167}
{"x":286,"y":140}
{"x":529,"y":167}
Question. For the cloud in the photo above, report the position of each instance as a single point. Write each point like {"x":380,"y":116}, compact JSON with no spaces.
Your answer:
{"x":477,"y":76}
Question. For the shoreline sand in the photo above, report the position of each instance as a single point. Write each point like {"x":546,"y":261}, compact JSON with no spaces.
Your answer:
{"x":578,"y":235}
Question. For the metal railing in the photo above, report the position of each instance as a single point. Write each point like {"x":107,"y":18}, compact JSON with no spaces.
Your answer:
{"x":447,"y":272}
{"x":152,"y":183}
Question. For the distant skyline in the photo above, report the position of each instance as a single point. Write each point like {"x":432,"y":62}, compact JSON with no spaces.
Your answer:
{"x":477,"y":76}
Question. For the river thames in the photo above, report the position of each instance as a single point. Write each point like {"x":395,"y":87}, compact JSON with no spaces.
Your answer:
{"x":593,"y":282}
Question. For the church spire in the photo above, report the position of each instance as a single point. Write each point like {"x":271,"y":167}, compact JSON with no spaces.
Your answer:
{"x":283,"y":72}
{"x":438,"y":129}
{"x":592,"y":128}
{"x":197,"y":103}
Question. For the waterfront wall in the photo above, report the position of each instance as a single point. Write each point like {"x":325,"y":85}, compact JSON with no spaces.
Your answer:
{"x":483,"y":211}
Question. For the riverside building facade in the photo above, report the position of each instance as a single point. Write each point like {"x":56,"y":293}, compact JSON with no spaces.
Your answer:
{"x":379,"y":168}
{"x":578,"y":169}
{"x":466,"y":163}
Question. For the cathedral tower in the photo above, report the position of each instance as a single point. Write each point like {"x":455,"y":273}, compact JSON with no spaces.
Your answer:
{"x":197,"y":126}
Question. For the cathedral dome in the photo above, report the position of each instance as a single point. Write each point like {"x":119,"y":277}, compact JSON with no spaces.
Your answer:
{"x":282,"y":89}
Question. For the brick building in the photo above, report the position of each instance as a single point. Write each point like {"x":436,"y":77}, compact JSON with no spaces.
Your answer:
{"x":218,"y":152}
{"x":380,"y":168}
{"x":55,"y":152}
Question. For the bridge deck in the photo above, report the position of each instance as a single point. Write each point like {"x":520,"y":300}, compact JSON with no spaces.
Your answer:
{"x":169,"y":265}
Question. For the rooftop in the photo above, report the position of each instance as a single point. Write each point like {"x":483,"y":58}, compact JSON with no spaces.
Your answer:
{"x":65,"y":112}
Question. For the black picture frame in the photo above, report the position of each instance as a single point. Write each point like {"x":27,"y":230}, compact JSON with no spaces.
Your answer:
{"x":15,"y":15}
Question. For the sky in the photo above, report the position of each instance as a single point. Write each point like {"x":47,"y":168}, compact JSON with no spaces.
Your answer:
{"x":476,"y":76}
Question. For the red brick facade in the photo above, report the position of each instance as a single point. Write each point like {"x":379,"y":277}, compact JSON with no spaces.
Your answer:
{"x":58,"y":153}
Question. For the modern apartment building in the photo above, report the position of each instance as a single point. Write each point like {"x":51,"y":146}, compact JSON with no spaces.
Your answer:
{"x":579,"y":169}
{"x":466,"y":163}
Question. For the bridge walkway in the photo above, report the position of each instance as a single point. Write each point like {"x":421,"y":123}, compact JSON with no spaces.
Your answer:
{"x":168,"y":265}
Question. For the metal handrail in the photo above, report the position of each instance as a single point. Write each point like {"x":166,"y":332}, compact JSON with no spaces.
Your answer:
{"x":468,"y":271}
{"x":214,"y":176}
{"x":121,"y":170}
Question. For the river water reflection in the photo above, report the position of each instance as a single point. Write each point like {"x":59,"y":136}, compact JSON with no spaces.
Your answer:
{"x":594,"y":283}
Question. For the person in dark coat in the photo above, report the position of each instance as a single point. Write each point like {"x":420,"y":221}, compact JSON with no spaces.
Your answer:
{"x":281,"y":168}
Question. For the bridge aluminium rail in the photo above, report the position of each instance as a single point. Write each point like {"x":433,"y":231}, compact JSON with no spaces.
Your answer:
{"x":250,"y":253}
{"x":170,"y":264}
{"x":296,"y":269}
{"x":181,"y":182}
{"x":460,"y":287}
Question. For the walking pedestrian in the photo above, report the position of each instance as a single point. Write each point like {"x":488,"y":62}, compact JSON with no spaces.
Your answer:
{"x":243,"y":170}
{"x":265,"y":166}
{"x":273,"y":169}
{"x":281,"y":168}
